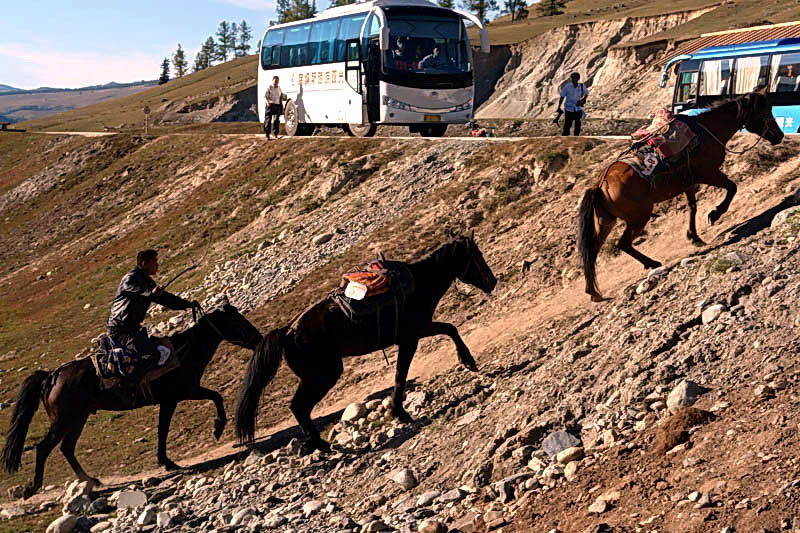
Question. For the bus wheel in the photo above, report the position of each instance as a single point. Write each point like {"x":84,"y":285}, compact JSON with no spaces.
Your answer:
{"x":359,"y":130}
{"x":433,"y":130}
{"x":293,"y":126}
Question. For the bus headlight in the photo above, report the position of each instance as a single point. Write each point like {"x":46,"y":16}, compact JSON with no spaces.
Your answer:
{"x":397,"y":104}
{"x":463,"y":107}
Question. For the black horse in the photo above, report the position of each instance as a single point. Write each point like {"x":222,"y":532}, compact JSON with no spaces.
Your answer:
{"x":315,"y":343}
{"x":72,"y":392}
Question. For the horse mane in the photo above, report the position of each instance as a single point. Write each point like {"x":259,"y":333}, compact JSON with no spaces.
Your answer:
{"x":739,"y":101}
{"x":184,"y":337}
{"x":448,"y":249}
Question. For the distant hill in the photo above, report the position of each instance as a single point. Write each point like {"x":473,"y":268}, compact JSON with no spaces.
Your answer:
{"x":18,"y":105}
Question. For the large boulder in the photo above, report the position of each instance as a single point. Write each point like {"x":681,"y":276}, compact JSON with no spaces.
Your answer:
{"x":684,"y":394}
{"x":558,"y":441}
{"x":65,"y":524}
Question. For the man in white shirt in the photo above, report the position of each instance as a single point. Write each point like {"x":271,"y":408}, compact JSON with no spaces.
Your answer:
{"x":573,"y":95}
{"x":274,"y":97}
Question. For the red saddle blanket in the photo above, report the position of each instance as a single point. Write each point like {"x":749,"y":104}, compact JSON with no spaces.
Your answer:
{"x":376,"y":278}
{"x":666,"y":135}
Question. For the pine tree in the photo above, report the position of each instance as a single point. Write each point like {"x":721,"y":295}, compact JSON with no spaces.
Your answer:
{"x":549,"y":8}
{"x":337,"y":3}
{"x":303,"y":9}
{"x":164,"y":78}
{"x":481,"y":8}
{"x":449,"y":4}
{"x":179,"y":62}
{"x":232,"y":48}
{"x":209,"y":50}
{"x":516,"y":8}
{"x":291,"y":10}
{"x":244,"y":37}
{"x":223,"y":47}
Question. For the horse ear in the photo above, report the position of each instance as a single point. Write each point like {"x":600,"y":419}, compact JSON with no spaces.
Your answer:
{"x":472,"y":234}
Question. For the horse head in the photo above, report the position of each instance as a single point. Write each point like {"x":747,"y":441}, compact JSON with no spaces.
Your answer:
{"x":476,"y":271}
{"x":232,"y":326}
{"x":759,"y":118}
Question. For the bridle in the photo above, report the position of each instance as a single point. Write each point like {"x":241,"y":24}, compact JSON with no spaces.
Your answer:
{"x":207,"y":317}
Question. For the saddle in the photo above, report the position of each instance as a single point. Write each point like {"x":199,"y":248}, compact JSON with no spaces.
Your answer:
{"x":662,"y":146}
{"x":386,"y":283}
{"x":112,"y":364}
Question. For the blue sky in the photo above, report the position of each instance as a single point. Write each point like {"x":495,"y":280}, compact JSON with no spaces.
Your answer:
{"x":61,"y":43}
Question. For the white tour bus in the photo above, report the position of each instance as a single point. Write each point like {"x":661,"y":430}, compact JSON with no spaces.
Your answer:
{"x":396,"y":62}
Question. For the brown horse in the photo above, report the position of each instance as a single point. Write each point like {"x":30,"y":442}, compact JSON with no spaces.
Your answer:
{"x":72,"y":392}
{"x":621,"y":193}
{"x":315,"y":343}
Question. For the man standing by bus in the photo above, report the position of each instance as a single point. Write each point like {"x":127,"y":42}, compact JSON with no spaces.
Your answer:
{"x":574,"y":95}
{"x":274,"y":98}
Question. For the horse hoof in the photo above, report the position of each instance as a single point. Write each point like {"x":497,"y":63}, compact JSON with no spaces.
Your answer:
{"x":712,"y":218}
{"x":219,"y":427}
{"x":403,"y":416}
{"x":469,"y":364}
{"x":170,"y":466}
{"x":29,"y":491}
{"x":597,"y":298}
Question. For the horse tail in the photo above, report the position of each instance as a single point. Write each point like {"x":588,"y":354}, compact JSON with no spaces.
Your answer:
{"x":27,"y":402}
{"x":587,"y":238}
{"x":260,"y":370}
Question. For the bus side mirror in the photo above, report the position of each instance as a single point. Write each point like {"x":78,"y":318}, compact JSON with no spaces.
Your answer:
{"x":384,"y":38}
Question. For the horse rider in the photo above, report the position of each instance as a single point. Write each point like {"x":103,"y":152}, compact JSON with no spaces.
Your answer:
{"x":136,"y":291}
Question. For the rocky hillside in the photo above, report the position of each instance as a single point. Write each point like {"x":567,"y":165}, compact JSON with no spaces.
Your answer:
{"x":274,"y":224}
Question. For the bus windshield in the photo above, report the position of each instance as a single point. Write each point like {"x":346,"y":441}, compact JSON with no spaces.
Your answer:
{"x":426,"y":43}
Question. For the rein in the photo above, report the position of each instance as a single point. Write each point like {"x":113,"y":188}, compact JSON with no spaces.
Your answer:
{"x":724,"y":147}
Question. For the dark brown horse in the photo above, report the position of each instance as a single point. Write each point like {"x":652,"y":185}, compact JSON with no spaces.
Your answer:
{"x":621,"y":193}
{"x":72,"y":392}
{"x":315,"y":343}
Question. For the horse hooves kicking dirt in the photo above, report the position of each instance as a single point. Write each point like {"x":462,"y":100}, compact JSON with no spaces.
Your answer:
{"x":621,"y":193}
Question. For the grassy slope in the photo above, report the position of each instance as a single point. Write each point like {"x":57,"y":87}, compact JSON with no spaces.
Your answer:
{"x":219,"y":80}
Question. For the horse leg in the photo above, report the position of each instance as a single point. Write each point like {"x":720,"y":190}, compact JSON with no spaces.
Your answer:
{"x":165,"y":412}
{"x":724,"y":182}
{"x":68,"y":449}
{"x":202,"y":393}
{"x":314,"y":385}
{"x":406,"y":351}
{"x":444,"y":328}
{"x":633,"y":230}
{"x":692,"y":233}
{"x":43,"y":449}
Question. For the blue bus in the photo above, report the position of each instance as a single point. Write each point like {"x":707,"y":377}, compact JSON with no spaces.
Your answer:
{"x":719,"y":72}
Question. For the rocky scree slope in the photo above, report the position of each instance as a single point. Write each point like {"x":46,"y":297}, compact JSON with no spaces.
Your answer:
{"x":583,"y":424}
{"x":521,"y":198}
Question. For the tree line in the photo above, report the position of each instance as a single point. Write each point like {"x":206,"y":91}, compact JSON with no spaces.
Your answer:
{"x":232,"y":40}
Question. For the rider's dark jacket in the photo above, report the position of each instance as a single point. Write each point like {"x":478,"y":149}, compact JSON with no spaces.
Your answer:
{"x":134,"y":295}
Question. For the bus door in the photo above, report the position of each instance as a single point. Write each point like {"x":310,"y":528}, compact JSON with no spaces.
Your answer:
{"x":372,"y":66}
{"x":353,"y":76}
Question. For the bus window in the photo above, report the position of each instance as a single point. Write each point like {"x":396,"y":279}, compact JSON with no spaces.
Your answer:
{"x":270,"y":51}
{"x":373,"y":29}
{"x":750,"y":74}
{"x":426,"y":43}
{"x":715,"y":77}
{"x":349,"y":28}
{"x":785,"y":71}
{"x":321,"y":42}
{"x":294,"y":52}
{"x":687,"y":87}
